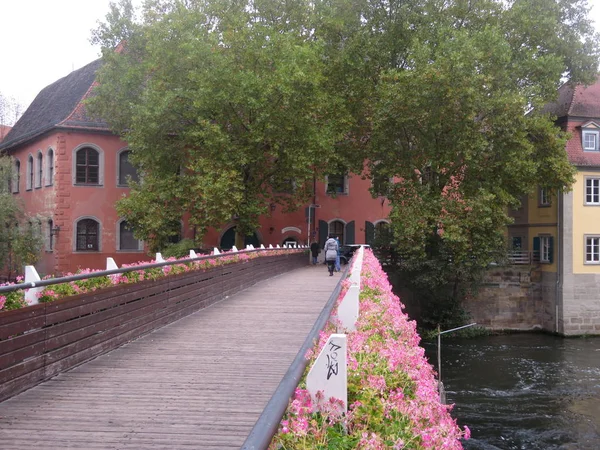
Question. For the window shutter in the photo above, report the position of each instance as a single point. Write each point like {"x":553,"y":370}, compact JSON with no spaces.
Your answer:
{"x":323,"y":232}
{"x":369,"y":232}
{"x":347,"y":185}
{"x":550,"y":249}
{"x":536,"y":249}
{"x":349,"y":234}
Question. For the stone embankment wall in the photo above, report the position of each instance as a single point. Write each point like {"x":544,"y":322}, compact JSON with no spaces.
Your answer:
{"x":512,"y":298}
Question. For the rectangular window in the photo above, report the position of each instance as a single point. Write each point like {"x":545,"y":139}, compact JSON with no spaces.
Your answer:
{"x":545,"y":197}
{"x":592,"y":250}
{"x":87,"y":166}
{"x":592,"y":191}
{"x":126,"y":170}
{"x":517,"y":243}
{"x":590,"y":140}
{"x":336,"y":184}
{"x":545,"y":249}
{"x":127,"y":240}
{"x":40,"y":168}
{"x":50,"y":168}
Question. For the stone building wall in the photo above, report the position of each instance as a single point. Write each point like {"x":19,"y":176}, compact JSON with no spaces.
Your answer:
{"x":510,"y":298}
{"x":581,"y":305}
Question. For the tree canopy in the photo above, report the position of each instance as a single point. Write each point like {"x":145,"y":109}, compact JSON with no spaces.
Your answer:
{"x":459,"y":125}
{"x":223,"y":102}
{"x":224,"y":107}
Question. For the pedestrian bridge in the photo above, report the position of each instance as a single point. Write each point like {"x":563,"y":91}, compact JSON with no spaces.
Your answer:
{"x":200,"y":382}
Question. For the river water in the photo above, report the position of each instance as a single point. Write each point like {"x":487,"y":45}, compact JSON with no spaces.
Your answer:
{"x":524,"y":391}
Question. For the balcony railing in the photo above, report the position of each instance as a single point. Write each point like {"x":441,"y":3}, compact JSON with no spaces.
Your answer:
{"x":523,"y":257}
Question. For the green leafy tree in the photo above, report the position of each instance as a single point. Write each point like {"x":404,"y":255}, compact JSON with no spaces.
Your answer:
{"x":20,"y":239}
{"x":458,"y":124}
{"x":221,"y":102}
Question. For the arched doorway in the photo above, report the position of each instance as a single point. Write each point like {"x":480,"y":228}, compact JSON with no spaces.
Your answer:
{"x":228,"y":240}
{"x":292,"y":241}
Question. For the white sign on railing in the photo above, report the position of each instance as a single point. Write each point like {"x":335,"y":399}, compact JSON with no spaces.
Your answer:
{"x":329,"y":373}
{"x":31,"y":276}
{"x":111,"y":264}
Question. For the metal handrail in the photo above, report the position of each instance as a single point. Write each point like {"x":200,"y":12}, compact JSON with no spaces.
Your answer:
{"x":103,"y":273}
{"x":268,"y":423}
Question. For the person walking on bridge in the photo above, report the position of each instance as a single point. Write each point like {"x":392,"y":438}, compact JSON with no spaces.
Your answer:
{"x":337,"y":257}
{"x":314,"y":250}
{"x":331,"y":249}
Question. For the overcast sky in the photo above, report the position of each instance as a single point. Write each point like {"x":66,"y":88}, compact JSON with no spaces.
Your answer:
{"x":44,"y":40}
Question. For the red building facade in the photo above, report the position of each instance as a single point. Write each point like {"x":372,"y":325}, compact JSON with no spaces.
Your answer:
{"x":71,"y":170}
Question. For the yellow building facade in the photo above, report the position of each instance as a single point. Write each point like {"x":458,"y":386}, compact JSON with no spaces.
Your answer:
{"x":561,"y":231}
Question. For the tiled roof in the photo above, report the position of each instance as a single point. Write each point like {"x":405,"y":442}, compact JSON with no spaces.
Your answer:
{"x":579,"y":100}
{"x":58,"y":104}
{"x":576,"y":106}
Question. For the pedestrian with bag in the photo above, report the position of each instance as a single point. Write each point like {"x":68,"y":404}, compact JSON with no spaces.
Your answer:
{"x":331,"y":249}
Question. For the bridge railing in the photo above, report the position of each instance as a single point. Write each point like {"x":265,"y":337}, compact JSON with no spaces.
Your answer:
{"x":40,"y":341}
{"x":268,"y":423}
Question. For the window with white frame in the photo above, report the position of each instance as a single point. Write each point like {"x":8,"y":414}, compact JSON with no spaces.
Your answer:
{"x":545,"y":197}
{"x":592,"y":250}
{"x":592,"y":191}
{"x":545,"y":248}
{"x":88,"y":165}
{"x":590,"y":140}
{"x":39,"y":170}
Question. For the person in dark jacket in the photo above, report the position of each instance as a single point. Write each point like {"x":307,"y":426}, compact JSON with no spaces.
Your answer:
{"x":314,"y":250}
{"x":331,"y":249}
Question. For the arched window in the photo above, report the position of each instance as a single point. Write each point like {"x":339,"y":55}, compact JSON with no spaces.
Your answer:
{"x":336,"y":229}
{"x":40,"y":168}
{"x":50,"y":168}
{"x":127,"y":240}
{"x":126,"y":170}
{"x":29,"y":180}
{"x":87,"y":166}
{"x":88,"y":236}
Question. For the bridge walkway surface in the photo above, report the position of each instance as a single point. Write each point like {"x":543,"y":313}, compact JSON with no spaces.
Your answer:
{"x":200,"y":382}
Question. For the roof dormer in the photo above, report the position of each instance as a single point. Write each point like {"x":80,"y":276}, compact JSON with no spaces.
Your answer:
{"x":590,"y":136}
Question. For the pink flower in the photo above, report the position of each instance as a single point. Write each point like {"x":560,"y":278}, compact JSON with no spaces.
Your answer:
{"x":467,"y":433}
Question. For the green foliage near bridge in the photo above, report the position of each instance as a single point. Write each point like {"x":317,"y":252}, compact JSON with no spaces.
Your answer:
{"x":224,"y":103}
{"x":20,"y":236}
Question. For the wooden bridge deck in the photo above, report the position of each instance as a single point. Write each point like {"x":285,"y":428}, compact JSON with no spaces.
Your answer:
{"x":200,"y":382}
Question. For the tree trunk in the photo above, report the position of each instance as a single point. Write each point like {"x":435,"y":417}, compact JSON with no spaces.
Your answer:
{"x":239,"y":240}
